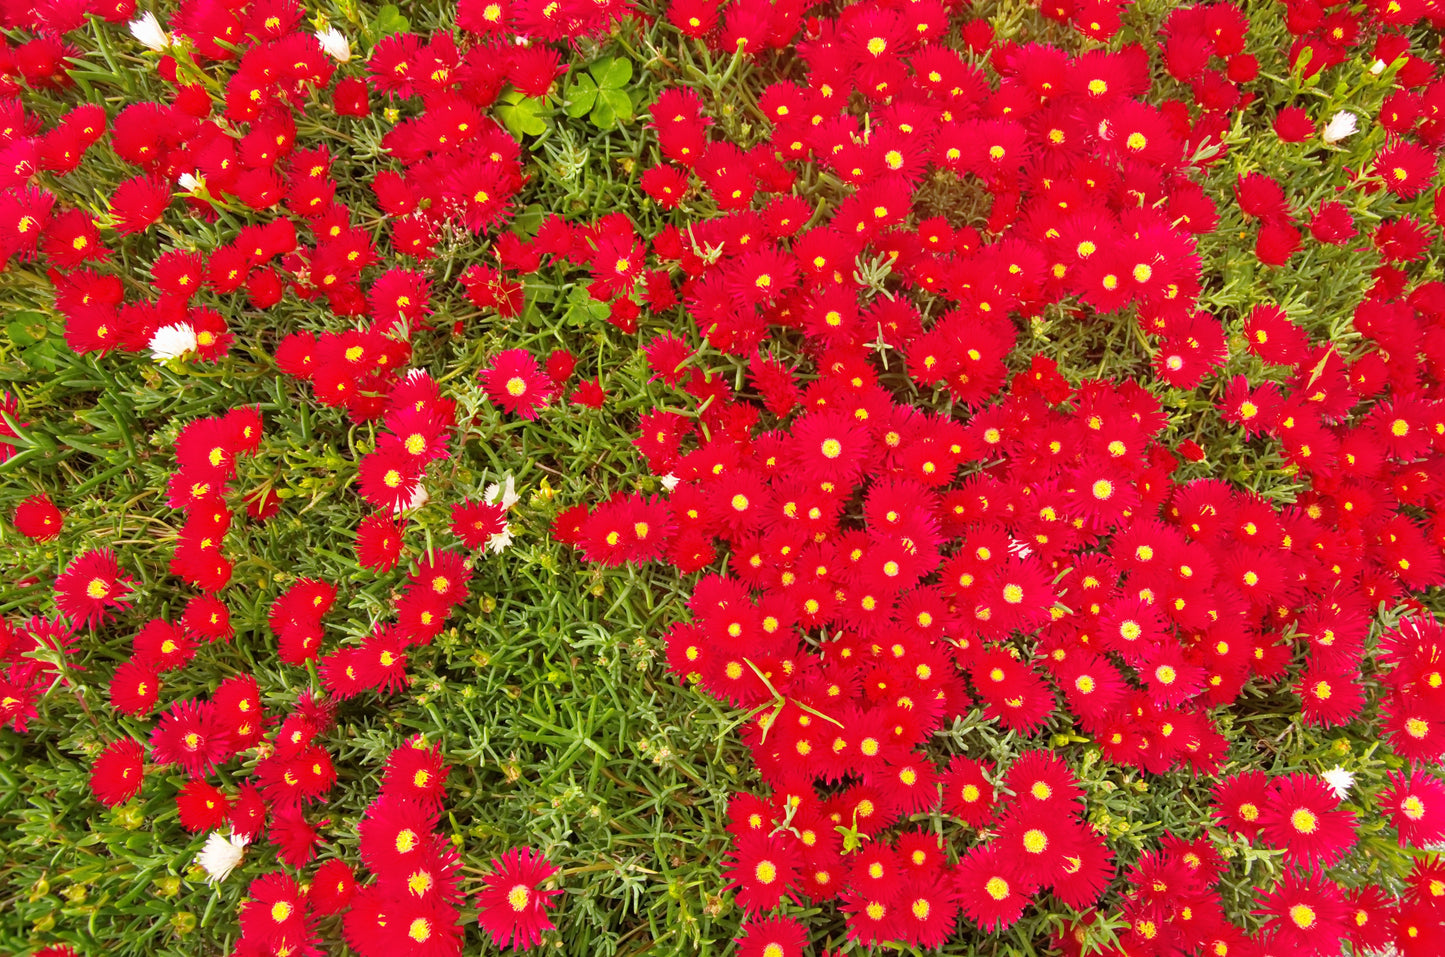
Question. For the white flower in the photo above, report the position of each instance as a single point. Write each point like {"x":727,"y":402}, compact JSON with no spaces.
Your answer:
{"x":509,"y":494}
{"x":418,"y":498}
{"x":172,"y":342}
{"x":501,"y":541}
{"x":669,"y":481}
{"x":334,"y":44}
{"x":221,"y":855}
{"x":148,"y":31}
{"x":1342,"y":124}
{"x":1339,"y":781}
{"x":190,"y":181}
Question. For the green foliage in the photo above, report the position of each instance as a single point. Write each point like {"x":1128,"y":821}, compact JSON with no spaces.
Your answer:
{"x":600,"y":94}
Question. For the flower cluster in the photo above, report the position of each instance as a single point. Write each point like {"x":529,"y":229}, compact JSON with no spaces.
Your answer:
{"x":412,"y":904}
{"x":206,"y":454}
{"x":888,"y":570}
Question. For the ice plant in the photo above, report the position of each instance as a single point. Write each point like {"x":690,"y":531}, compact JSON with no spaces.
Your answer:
{"x":1011,"y":415}
{"x":91,"y":586}
{"x":513,"y":903}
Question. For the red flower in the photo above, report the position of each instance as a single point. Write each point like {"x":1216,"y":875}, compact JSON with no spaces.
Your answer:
{"x":418,"y":773}
{"x":389,"y":479}
{"x":134,"y":689}
{"x":1415,"y":803}
{"x":396,"y":833}
{"x":90,"y":586}
{"x":513,"y":904}
{"x":1260,"y":195}
{"x":926,"y":909}
{"x":1407,"y":168}
{"x":762,"y":869}
{"x":191,"y":736}
{"x":1308,"y":914}
{"x":138,"y":203}
{"x":772,"y":937}
{"x":350,"y":97}
{"x":378,"y":542}
{"x":1332,"y":223}
{"x":517,"y":383}
{"x":163,"y":646}
{"x":1301,"y":816}
{"x":476,"y":522}
{"x":1277,"y":241}
{"x":275,"y":909}
{"x":37,"y":517}
{"x":1239,"y":802}
{"x":589,"y":394}
{"x":201,"y":806}
{"x":988,"y":893}
{"x":117,"y":773}
{"x":208,"y":617}
{"x":332,"y":887}
{"x":1293,"y":124}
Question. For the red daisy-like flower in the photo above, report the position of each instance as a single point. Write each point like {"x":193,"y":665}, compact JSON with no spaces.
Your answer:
{"x":763,"y":871}
{"x":37,"y":517}
{"x":378,"y":542}
{"x":989,"y":894}
{"x":476,"y":522}
{"x":442,"y":575}
{"x":388,"y":481}
{"x":191,"y":736}
{"x":513,"y":904}
{"x":134,"y":689}
{"x":927,"y":909}
{"x":138,"y":203}
{"x":395,"y":833}
{"x":332,"y":887}
{"x":830,"y":446}
{"x":418,"y":773}
{"x":1307,"y":913}
{"x":1415,"y":803}
{"x":517,"y":383}
{"x":208,"y":617}
{"x":163,"y":646}
{"x":1302,"y":816}
{"x":201,"y":806}
{"x":117,"y":773}
{"x":275,"y":908}
{"x":90,"y":586}
{"x":967,"y":793}
{"x":1406,"y":167}
{"x":772,"y":937}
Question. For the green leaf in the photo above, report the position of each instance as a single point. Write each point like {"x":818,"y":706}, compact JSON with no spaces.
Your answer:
{"x":611,"y":74}
{"x":522,"y":114}
{"x":613,"y":106}
{"x":389,"y":20}
{"x":581,"y":96}
{"x":26,"y":328}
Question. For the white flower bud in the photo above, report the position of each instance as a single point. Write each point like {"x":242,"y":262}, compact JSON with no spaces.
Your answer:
{"x":1342,"y":124}
{"x":148,"y":31}
{"x":334,"y":44}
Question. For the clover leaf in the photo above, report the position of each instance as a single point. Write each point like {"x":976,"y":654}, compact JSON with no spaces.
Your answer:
{"x":521,"y":114}
{"x":601,"y":93}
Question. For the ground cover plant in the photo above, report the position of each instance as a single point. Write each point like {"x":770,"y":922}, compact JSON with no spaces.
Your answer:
{"x":754,"y":478}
